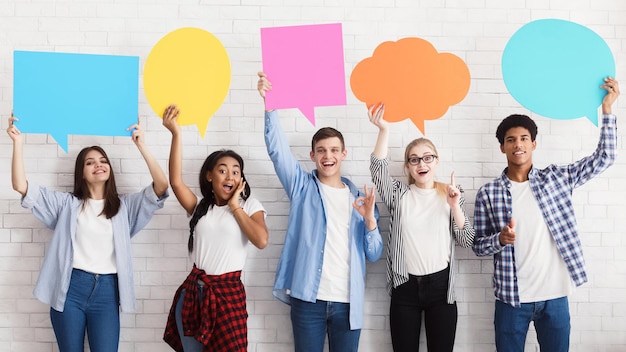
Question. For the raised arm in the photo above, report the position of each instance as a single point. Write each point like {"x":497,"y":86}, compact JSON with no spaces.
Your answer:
{"x":159,"y":180}
{"x":376,"y":114}
{"x":183,"y":193}
{"x":18,"y":175}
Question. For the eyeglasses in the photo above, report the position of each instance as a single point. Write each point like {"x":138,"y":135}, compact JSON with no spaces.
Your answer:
{"x":414,"y":160}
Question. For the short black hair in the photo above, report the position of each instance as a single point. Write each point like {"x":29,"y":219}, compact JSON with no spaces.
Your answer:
{"x":516,"y":120}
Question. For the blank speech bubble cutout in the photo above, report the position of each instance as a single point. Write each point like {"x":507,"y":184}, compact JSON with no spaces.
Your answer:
{"x":188,"y":67}
{"x":555,"y":68}
{"x":412,"y":79}
{"x":306,"y":67}
{"x":83,"y":94}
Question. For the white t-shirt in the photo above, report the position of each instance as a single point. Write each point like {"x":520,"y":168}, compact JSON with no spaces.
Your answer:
{"x":219,"y":244}
{"x":425,"y":221}
{"x":335,"y":281}
{"x":541,"y":271}
{"x":93,"y":247}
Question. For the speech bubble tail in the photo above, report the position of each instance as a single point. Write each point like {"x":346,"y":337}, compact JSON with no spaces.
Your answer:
{"x":309,"y":112}
{"x":593,"y":117}
{"x":61,"y":140}
{"x":419,"y":124}
{"x":201,"y":126}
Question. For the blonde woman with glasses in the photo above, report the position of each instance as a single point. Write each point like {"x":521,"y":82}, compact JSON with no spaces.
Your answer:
{"x":427,"y":219}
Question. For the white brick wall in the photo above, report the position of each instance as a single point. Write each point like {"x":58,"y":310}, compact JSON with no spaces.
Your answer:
{"x":475,"y":30}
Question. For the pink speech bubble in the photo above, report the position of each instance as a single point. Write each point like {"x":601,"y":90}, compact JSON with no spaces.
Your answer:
{"x":305,"y":65}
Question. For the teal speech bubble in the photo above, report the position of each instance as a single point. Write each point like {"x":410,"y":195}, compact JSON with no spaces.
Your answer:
{"x":81,"y":94}
{"x":555,"y":68}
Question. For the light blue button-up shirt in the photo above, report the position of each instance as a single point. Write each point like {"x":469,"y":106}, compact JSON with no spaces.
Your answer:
{"x":300,"y":266}
{"x":59,"y":212}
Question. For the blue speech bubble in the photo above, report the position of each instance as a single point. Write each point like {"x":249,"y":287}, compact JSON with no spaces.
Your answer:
{"x":555,"y":68}
{"x":62,"y":94}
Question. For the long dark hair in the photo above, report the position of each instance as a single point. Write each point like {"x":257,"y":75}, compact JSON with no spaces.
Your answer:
{"x":81,"y":191}
{"x":206,"y":187}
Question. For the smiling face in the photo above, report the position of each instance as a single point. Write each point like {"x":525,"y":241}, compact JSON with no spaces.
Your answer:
{"x":422,"y":174}
{"x":327,"y":154}
{"x":518,"y":147}
{"x":225,"y":178}
{"x":96,"y":168}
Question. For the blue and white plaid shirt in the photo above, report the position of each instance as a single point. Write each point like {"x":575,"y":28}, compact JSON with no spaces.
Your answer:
{"x":552,"y":187}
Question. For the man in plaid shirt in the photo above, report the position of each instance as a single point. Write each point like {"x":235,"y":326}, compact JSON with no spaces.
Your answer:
{"x":525,"y":219}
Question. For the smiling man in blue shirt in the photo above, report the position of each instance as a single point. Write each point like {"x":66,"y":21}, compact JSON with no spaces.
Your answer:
{"x":332,"y":229}
{"x":525,"y":219}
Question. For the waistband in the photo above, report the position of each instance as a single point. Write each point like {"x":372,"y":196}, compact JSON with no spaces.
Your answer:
{"x":85,"y":273}
{"x":431,"y":277}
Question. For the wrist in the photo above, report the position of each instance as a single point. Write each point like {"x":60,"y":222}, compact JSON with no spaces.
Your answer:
{"x":371,"y":224}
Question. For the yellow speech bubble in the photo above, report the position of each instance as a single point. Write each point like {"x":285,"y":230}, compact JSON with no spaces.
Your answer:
{"x":188,"y":67}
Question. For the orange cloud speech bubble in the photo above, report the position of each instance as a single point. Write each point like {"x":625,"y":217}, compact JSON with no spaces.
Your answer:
{"x":412,"y":79}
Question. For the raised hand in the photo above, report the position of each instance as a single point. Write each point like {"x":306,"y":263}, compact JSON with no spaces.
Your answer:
{"x":169,"y":118}
{"x":376,"y":113}
{"x":263,"y":85}
{"x":13,"y":131}
{"x":453,"y":193}
{"x":138,"y":134}
{"x":612,"y":88}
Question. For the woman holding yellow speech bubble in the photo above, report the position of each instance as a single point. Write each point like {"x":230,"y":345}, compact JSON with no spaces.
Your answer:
{"x":427,"y":218}
{"x":209,"y":308}
{"x":87,"y":272}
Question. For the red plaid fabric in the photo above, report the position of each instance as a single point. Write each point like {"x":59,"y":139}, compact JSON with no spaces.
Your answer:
{"x":218,"y":319}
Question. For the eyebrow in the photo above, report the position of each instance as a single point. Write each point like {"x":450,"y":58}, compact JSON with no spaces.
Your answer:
{"x":521,"y":135}
{"x":236,"y":165}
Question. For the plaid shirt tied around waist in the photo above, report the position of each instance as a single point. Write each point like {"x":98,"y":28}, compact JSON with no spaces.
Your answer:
{"x":217,"y":317}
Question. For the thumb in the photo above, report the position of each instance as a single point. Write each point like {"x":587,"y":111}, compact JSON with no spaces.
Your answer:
{"x":512,"y":224}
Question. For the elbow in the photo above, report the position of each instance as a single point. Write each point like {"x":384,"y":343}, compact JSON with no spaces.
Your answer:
{"x":261,"y":244}
{"x":20,"y":188}
{"x":262,"y":241}
{"x":160,"y":188}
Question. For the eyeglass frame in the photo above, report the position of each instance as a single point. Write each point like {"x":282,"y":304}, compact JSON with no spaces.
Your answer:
{"x":420,"y":159}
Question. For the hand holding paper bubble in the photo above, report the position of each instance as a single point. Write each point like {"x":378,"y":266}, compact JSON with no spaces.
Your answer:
{"x":612,"y":92}
{"x":13,"y":131}
{"x":412,"y":79}
{"x":555,"y":68}
{"x":263,"y":85}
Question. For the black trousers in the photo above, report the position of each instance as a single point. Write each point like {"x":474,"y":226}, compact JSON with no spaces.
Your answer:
{"x":425,"y":294}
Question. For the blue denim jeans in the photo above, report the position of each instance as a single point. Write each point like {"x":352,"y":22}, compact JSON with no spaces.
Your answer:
{"x":92,"y":304}
{"x":190,"y":344}
{"x":312,"y":321}
{"x":551,"y":319}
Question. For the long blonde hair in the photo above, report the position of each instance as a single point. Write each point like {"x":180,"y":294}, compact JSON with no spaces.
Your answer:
{"x":442,"y":188}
